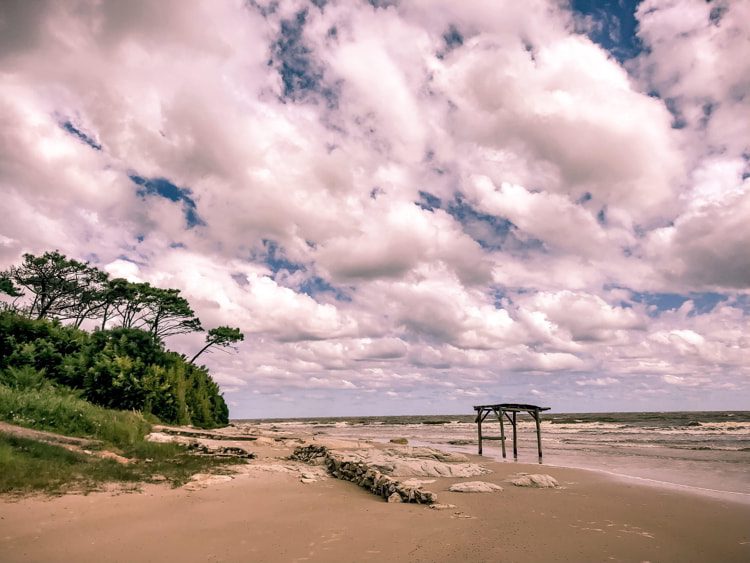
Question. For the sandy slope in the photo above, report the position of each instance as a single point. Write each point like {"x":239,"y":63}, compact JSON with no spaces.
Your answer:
{"x":269,"y":515}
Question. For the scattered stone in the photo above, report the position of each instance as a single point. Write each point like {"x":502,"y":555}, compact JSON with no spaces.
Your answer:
{"x":402,"y":441}
{"x":438,"y":506}
{"x":358,"y":468}
{"x":538,"y":481}
{"x":395,"y":497}
{"x":220,"y":451}
{"x":475,"y":487}
{"x":190,"y":432}
{"x":310,"y":454}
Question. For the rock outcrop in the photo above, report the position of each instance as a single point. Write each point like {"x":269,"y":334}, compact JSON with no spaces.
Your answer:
{"x":202,"y":446}
{"x":354,"y":467}
{"x":538,"y":481}
{"x":475,"y":487}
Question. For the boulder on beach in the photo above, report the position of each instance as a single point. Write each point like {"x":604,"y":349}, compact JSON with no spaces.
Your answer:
{"x":395,"y":497}
{"x":402,"y":441}
{"x":400,"y":467}
{"x":423,"y":452}
{"x":475,"y":487}
{"x":537,"y":481}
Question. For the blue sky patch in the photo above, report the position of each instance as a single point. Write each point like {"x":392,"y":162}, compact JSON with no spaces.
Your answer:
{"x":428,"y":202}
{"x":301,"y":75}
{"x":611,"y":25}
{"x":275,"y":258}
{"x":164,"y":188}
{"x":316,"y":285}
{"x":490,"y":231}
{"x":80,"y":135}
{"x":702,"y":302}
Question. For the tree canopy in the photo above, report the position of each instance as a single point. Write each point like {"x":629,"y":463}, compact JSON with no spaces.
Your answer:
{"x":221,"y":336}
{"x":123,"y":363}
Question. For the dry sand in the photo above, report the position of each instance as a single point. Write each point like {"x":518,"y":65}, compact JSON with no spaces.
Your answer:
{"x":269,"y":515}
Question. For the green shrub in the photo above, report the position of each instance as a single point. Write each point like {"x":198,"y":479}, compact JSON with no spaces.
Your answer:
{"x":122,"y":368}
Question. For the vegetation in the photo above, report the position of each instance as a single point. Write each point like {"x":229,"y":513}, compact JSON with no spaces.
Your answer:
{"x":29,"y":399}
{"x":123,"y":363}
{"x":105,"y":385}
{"x":222,"y":336}
{"x":120,"y":368}
{"x":28,"y":466}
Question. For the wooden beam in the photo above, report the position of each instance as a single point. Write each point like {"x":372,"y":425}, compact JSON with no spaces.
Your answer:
{"x":479,"y":431}
{"x":502,"y":432}
{"x":515,"y":448}
{"x":537,"y":416}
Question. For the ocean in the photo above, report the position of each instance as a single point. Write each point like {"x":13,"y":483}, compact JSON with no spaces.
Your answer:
{"x":704,"y":452}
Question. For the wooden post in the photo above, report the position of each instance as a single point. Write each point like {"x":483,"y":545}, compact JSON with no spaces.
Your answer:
{"x":479,"y":430}
{"x":538,"y":433}
{"x":515,"y":449}
{"x":502,"y":432}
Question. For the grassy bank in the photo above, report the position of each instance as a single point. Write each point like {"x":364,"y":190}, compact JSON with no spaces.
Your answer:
{"x":28,"y":399}
{"x":28,"y":466}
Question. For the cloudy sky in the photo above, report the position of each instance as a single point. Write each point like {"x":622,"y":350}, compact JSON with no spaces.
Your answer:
{"x":408,"y":207}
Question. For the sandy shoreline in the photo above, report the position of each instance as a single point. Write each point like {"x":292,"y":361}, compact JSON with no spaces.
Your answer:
{"x":270,"y":515}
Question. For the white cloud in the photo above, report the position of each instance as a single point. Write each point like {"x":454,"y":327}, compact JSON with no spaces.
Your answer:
{"x":554,"y":189}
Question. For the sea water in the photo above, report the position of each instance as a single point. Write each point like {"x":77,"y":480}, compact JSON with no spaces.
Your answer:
{"x":706,"y":452}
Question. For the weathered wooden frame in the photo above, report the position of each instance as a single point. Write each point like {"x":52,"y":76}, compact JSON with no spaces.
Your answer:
{"x":505,"y":410}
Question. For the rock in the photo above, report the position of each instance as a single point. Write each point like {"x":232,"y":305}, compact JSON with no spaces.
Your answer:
{"x":205,"y":448}
{"x":160,"y":438}
{"x":395,"y":497}
{"x":433,"y":468}
{"x":402,"y":441}
{"x":422,"y":452}
{"x":416,"y":483}
{"x":439,"y":506}
{"x":113,"y":456}
{"x":537,"y":481}
{"x":475,"y":487}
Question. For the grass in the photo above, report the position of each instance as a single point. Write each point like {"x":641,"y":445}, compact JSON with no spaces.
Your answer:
{"x":28,"y":466}
{"x":28,"y":399}
{"x":60,"y":410}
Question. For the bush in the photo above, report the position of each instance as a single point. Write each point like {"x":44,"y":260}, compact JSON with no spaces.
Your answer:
{"x":121,"y":368}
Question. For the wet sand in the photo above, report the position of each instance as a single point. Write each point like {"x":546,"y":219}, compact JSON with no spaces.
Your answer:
{"x":272,"y":516}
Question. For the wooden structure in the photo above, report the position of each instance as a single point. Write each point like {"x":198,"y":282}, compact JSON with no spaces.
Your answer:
{"x":509,"y":411}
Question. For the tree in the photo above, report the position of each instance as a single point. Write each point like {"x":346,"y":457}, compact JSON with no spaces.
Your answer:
{"x":55,"y":282}
{"x":92,"y":298}
{"x":7,"y":287}
{"x":127,"y":300}
{"x":161,"y":312}
{"x":222,"y":336}
{"x":168,"y":313}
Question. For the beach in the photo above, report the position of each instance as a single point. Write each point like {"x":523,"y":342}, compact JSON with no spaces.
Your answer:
{"x":274,"y":509}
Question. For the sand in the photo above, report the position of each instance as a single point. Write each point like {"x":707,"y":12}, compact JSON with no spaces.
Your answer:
{"x":270,"y":515}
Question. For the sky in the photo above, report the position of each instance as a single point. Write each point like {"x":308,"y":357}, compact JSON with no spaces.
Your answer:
{"x":408,"y":207}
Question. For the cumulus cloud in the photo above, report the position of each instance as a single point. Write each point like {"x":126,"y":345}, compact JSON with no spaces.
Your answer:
{"x":399,"y":204}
